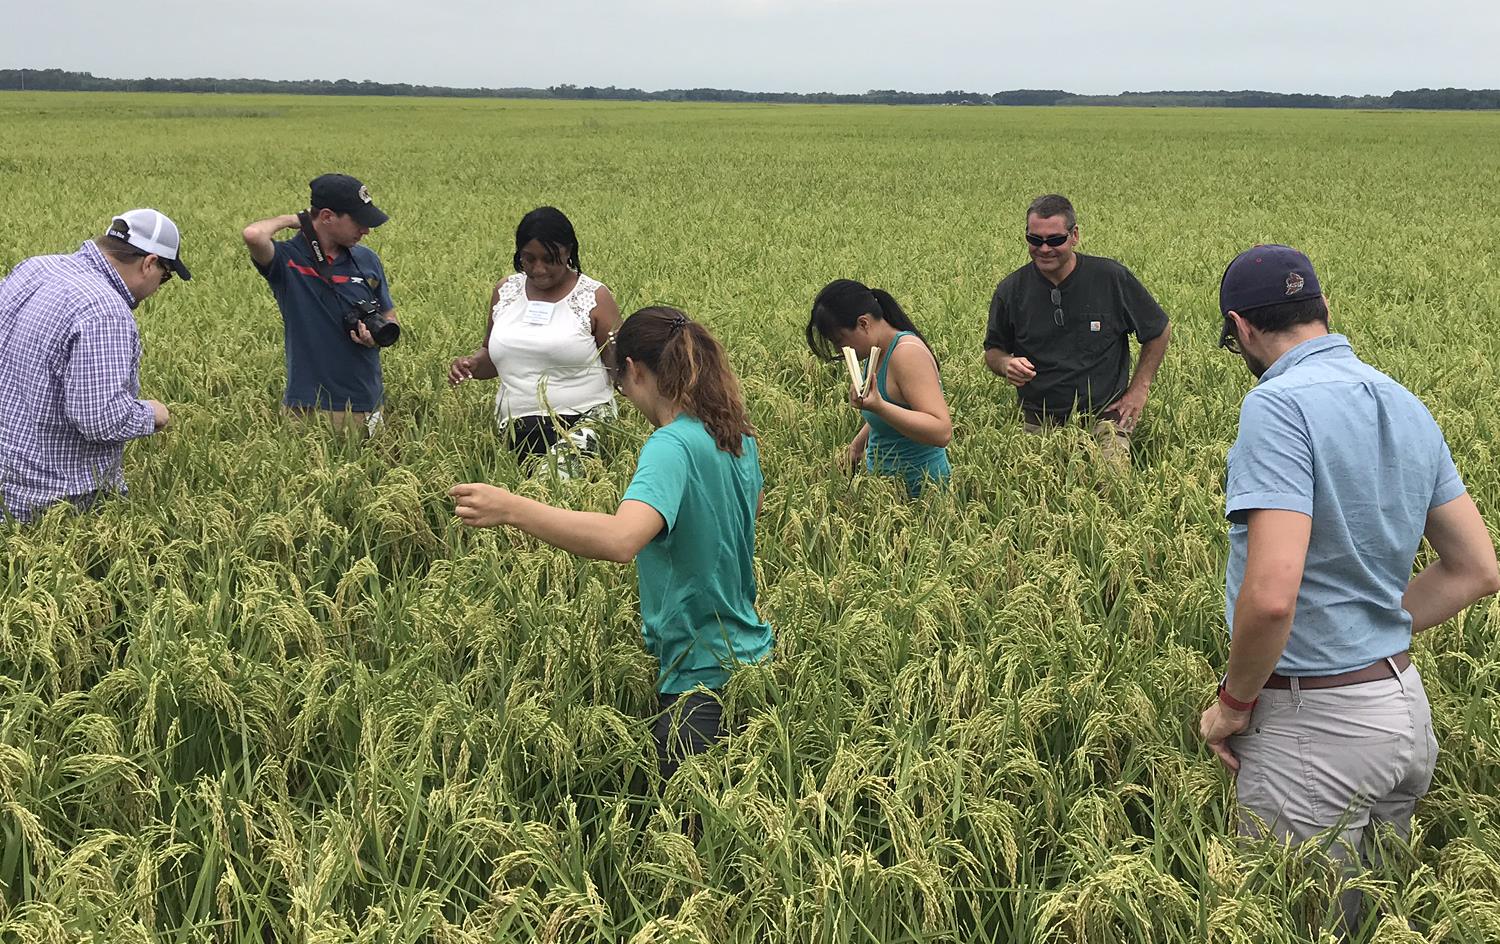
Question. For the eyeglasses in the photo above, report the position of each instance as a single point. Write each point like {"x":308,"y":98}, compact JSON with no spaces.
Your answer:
{"x":1229,"y":339}
{"x":1057,"y":313}
{"x":127,"y":251}
{"x":1053,"y":241}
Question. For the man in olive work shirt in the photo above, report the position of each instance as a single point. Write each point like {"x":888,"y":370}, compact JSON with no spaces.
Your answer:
{"x":1058,"y":332}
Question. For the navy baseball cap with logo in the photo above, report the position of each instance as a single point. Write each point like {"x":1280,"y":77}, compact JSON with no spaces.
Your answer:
{"x":1267,"y":275}
{"x":344,"y":194}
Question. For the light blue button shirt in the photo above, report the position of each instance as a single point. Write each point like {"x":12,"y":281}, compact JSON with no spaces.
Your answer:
{"x":1329,"y":436}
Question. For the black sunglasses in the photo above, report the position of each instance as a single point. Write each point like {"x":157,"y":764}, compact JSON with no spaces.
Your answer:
{"x":1053,"y":241}
{"x":166,"y":271}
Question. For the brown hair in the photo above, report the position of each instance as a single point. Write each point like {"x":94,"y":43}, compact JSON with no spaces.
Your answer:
{"x":113,"y":242}
{"x":691,"y":368}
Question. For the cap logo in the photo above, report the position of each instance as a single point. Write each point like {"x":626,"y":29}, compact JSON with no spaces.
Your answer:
{"x":364,"y":193}
{"x":1294,"y":283}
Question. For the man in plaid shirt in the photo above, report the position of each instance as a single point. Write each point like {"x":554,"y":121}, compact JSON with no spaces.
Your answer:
{"x":69,"y":355}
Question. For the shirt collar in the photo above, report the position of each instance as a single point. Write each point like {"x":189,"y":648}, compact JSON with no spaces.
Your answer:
{"x":1300,"y":353}
{"x":94,"y":259}
{"x":1077,"y":264}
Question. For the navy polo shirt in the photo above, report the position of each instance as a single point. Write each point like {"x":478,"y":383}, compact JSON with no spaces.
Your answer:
{"x":325,"y":370}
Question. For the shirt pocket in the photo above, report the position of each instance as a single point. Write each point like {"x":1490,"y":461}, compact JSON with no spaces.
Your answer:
{"x":1097,"y":331}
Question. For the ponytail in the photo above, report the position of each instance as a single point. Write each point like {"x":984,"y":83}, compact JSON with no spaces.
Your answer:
{"x":893,"y":313}
{"x":838,"y":307}
{"x":691,"y":368}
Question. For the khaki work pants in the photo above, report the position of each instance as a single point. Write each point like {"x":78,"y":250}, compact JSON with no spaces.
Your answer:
{"x":1333,"y":764}
{"x":341,"y":420}
{"x":1113,"y":442}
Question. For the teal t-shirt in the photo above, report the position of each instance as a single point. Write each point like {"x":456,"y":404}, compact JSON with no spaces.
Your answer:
{"x":697,"y":577}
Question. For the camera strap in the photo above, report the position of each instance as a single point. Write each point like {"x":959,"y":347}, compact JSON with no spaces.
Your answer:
{"x":322,"y":266}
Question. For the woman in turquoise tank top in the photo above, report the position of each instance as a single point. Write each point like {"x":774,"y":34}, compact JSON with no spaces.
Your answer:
{"x":907,"y":425}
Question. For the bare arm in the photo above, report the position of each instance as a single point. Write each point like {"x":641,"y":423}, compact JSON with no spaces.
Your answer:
{"x":1000,"y":341}
{"x":616,"y":537}
{"x":1263,"y":614}
{"x":605,"y":321}
{"x":1275,"y":557}
{"x":477,"y":366}
{"x":258,"y":237}
{"x":1152,"y":354}
{"x":1133,"y":401}
{"x":1019,"y":371}
{"x":856,"y":449}
{"x":914,"y":378}
{"x":1465,"y":569}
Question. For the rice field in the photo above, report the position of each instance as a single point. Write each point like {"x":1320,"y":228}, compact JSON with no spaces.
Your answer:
{"x":279,"y":694}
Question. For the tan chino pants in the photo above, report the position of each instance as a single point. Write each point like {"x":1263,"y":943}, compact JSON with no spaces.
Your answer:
{"x":1334,"y":764}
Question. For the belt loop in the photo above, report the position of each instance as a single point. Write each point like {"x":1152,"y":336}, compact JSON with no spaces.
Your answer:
{"x":1391,"y":661}
{"x":1297,"y":692}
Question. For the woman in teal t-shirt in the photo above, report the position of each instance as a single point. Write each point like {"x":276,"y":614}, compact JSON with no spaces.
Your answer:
{"x":907,"y":425}
{"x":687,"y":520}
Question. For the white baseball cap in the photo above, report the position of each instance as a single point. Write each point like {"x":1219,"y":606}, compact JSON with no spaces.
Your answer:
{"x":153,"y":233}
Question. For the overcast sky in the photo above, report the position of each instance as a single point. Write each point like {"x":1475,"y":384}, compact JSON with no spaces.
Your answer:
{"x":1091,"y":46}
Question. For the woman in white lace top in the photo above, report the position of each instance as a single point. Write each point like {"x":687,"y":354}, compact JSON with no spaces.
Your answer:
{"x":547,"y":341}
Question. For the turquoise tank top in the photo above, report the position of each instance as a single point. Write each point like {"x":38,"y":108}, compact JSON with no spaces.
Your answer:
{"x":888,"y":452}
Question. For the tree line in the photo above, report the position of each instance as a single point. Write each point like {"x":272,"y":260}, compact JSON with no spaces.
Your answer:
{"x":1445,"y":98}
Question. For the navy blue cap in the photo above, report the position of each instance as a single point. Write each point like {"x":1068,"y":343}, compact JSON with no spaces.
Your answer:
{"x":1267,"y":275}
{"x":344,"y":194}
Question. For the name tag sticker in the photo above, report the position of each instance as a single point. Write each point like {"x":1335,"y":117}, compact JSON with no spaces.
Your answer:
{"x":539,"y":313}
{"x":1093,"y":326}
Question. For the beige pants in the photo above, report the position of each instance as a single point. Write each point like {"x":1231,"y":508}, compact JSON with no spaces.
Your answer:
{"x":1113,"y":442}
{"x":1333,"y":764}
{"x":342,"y":420}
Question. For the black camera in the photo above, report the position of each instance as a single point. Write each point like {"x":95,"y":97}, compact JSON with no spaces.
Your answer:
{"x":367,"y":312}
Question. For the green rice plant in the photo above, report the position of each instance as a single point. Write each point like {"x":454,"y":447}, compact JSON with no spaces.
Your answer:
{"x":278,"y":694}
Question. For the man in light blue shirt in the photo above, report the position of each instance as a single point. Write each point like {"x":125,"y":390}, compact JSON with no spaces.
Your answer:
{"x":1337,"y":475}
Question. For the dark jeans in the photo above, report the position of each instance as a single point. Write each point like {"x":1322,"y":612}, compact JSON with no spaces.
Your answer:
{"x":689,"y":724}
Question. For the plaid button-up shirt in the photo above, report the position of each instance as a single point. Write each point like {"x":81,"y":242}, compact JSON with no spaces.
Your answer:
{"x":69,"y":354}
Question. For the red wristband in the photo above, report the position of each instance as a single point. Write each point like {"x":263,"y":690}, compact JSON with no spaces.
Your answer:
{"x":1233,"y":702}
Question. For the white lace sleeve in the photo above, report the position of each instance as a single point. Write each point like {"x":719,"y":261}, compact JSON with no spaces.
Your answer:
{"x":582,"y":301}
{"x":510,"y":290}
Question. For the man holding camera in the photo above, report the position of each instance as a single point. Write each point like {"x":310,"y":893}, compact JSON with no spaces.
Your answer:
{"x":70,"y":355}
{"x":335,"y":305}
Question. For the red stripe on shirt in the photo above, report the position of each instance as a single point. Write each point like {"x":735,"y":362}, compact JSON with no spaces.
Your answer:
{"x":309,"y":270}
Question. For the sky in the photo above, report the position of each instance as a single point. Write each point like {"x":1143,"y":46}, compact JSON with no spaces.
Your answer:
{"x":1336,"y":47}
